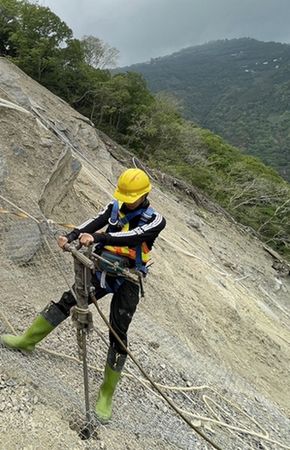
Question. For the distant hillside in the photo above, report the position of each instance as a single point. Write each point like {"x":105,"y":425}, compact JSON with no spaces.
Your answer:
{"x":151,"y":126}
{"x":237,"y":88}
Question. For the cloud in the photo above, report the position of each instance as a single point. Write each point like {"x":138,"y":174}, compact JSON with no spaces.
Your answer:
{"x":141,"y":29}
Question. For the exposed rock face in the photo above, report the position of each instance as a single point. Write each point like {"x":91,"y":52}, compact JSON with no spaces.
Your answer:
{"x":60,"y":182}
{"x":11,"y":83}
{"x":22,"y":241}
{"x":3,"y":168}
{"x":46,"y":143}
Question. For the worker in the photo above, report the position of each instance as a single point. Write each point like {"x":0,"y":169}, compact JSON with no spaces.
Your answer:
{"x":132,"y":226}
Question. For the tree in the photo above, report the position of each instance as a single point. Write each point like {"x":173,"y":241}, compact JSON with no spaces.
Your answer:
{"x":118,"y":101}
{"x":157,"y":128}
{"x":99,"y":54}
{"x":9,"y":11}
{"x":39,"y":38}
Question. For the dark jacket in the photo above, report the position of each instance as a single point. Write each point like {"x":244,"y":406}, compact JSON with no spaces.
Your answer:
{"x":136,"y":234}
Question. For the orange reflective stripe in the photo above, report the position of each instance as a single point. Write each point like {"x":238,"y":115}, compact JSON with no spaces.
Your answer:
{"x":129,"y":252}
{"x":145,"y":248}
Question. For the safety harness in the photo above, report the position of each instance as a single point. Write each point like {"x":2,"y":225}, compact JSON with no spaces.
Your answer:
{"x":119,"y":255}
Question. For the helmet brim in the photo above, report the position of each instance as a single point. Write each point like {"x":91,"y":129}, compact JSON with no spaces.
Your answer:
{"x":130,"y":197}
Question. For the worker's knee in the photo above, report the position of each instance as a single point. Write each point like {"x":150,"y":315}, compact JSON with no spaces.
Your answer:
{"x":123,"y":307}
{"x":55,"y":313}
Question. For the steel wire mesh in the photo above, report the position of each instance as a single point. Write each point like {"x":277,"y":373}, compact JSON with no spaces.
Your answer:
{"x":42,"y":399}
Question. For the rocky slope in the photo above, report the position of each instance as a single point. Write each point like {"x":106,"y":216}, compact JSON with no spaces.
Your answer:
{"x":215,"y":319}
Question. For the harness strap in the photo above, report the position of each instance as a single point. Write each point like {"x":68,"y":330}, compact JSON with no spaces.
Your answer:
{"x":103,"y":279}
{"x":146,"y":215}
{"x":110,"y":284}
{"x":131,"y":216}
{"x":138,"y":261}
{"x":115,"y":221}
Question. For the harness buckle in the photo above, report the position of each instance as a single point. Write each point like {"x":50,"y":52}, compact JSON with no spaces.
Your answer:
{"x":113,"y":223}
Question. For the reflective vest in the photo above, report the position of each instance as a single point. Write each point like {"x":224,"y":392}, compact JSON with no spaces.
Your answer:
{"x":141,"y":253}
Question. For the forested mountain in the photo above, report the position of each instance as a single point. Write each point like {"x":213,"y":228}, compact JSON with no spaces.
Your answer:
{"x":239,"y":89}
{"x":151,"y":126}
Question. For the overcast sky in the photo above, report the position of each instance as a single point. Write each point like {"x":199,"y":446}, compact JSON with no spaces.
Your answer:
{"x":144,"y":29}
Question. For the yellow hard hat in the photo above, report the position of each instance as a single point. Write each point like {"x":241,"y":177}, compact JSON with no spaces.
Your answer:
{"x":132,"y":184}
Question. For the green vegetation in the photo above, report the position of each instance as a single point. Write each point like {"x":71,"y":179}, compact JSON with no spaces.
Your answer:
{"x":151,"y":126}
{"x":237,"y":88}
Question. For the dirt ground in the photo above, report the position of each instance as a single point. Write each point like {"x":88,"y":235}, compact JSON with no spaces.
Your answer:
{"x":215,"y":315}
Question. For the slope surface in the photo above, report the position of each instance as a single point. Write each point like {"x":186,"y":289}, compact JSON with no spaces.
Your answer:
{"x":215,"y":315}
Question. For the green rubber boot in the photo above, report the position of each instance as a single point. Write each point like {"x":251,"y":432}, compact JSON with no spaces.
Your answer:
{"x":114,"y":366}
{"x":39,"y":328}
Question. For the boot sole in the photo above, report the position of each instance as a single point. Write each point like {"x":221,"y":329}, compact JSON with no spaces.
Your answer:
{"x":102,"y":420}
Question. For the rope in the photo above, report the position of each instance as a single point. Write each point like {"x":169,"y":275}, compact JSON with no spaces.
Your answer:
{"x":164,"y":396}
{"x":192,"y":255}
{"x":24,"y":214}
{"x":66,"y":140}
{"x":159,"y":387}
{"x":71,"y":226}
{"x":180,"y":389}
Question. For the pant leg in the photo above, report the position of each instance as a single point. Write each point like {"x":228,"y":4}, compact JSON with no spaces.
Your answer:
{"x":123,"y":307}
{"x":57,"y":312}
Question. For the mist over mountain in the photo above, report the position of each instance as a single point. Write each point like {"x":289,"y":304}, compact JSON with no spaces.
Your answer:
{"x":237,"y":88}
